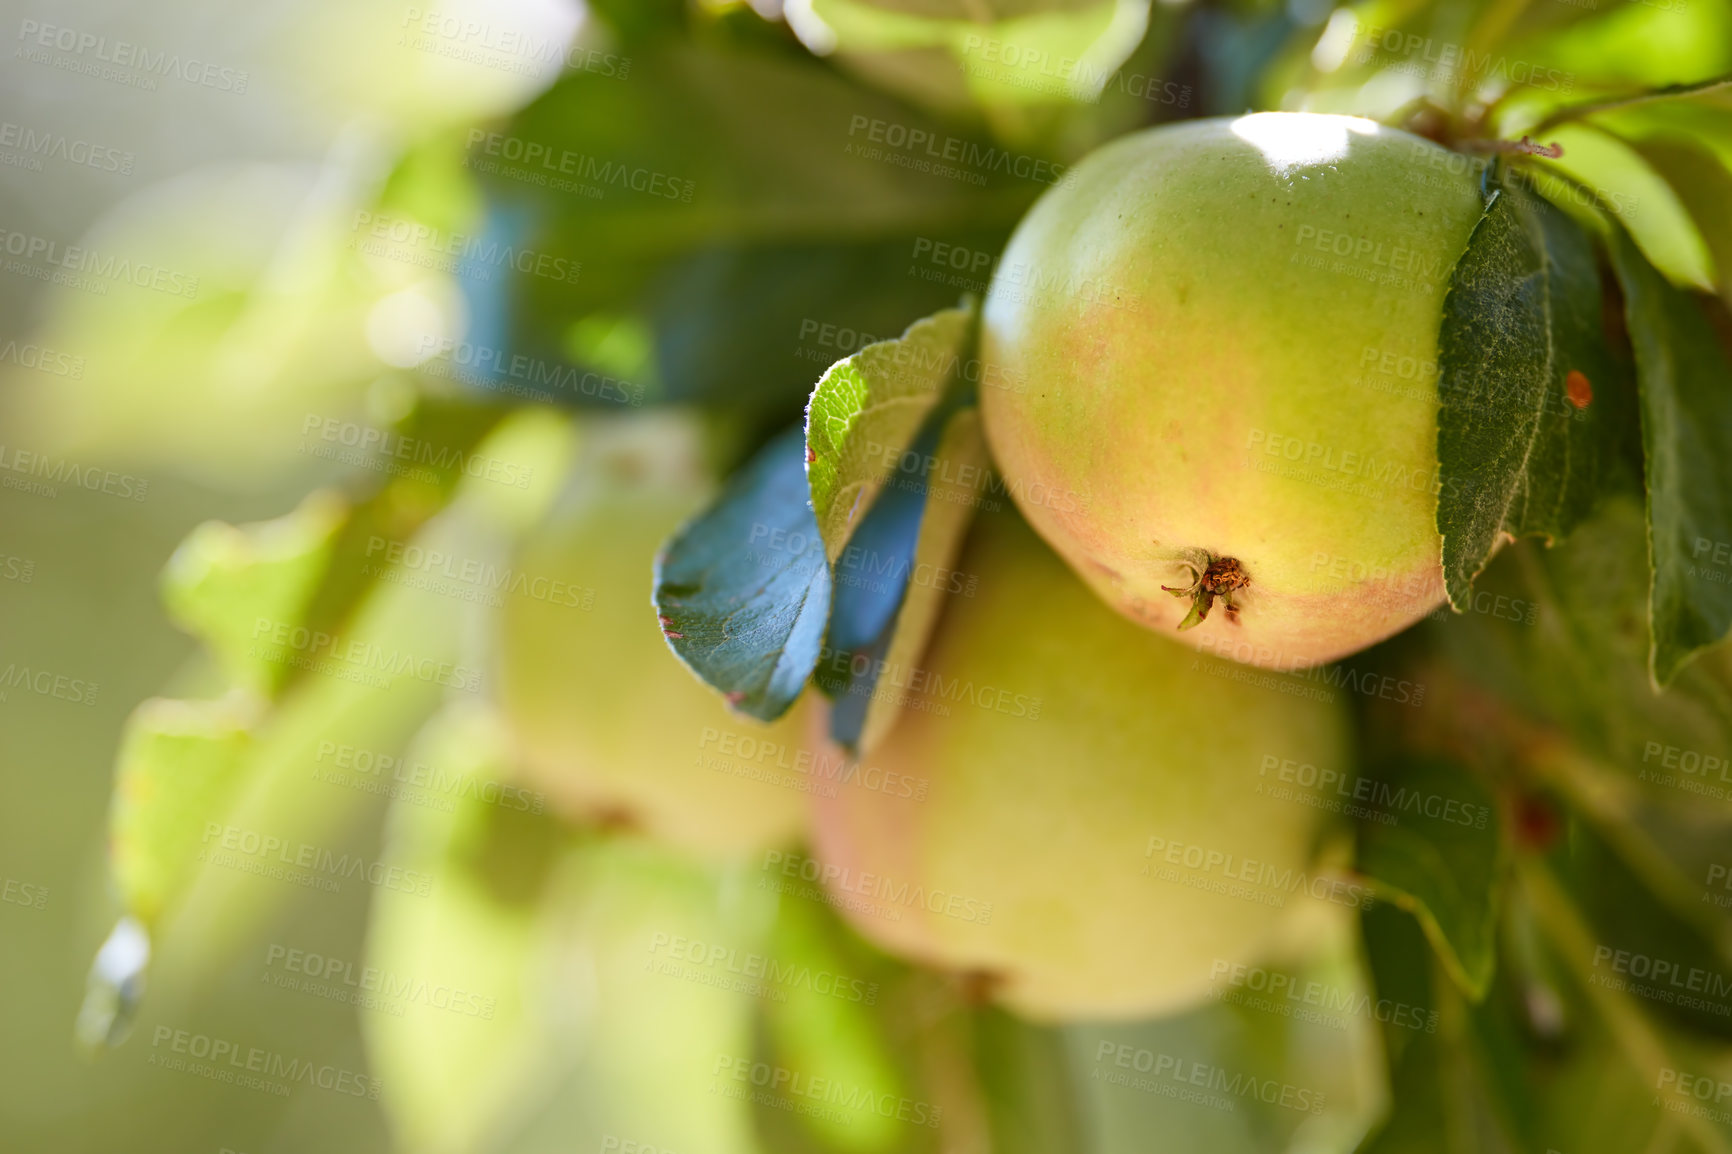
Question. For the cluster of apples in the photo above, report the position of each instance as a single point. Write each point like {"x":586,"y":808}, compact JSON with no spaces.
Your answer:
{"x":1205,"y":317}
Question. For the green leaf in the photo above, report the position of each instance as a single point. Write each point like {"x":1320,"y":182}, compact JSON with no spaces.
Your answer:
{"x":749,"y":621}
{"x":1001,"y":53}
{"x":1629,"y":189}
{"x":1686,"y":396}
{"x":575,"y":1012}
{"x":1246,"y":1073}
{"x":180,"y":763}
{"x":223,"y":579}
{"x":866,"y":411}
{"x":1517,"y":456}
{"x":707,"y":146}
{"x":1703,"y":184}
{"x":1435,"y":851}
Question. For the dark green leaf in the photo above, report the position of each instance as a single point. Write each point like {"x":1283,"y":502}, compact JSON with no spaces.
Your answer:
{"x":1518,"y":453}
{"x":1686,"y":390}
{"x":749,"y":624}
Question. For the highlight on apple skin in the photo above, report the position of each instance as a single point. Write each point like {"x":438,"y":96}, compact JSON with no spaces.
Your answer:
{"x":1228,"y":334}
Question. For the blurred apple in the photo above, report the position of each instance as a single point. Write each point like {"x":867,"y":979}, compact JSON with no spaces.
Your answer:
{"x":607,"y":720}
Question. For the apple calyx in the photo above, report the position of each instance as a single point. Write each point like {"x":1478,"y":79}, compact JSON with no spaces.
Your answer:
{"x":1212,"y":577}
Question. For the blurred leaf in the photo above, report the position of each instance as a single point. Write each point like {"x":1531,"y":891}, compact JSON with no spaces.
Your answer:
{"x":707,"y":146}
{"x":1703,"y":184}
{"x":237,"y":310}
{"x":865,"y":412}
{"x":728,"y":183}
{"x":579,"y":1017}
{"x":751,"y":328}
{"x":749,"y":622}
{"x":1248,"y":1073}
{"x":996,"y":54}
{"x":180,"y":765}
{"x":224,"y":579}
{"x":1518,"y":452}
{"x":1446,"y":868}
{"x":453,"y":1072}
{"x":1030,"y":1104}
{"x":1687,"y":438}
{"x":1622,"y":182}
{"x":831,"y":1021}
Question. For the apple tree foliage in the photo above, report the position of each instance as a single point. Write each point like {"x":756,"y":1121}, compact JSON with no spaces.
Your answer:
{"x":752,"y":257}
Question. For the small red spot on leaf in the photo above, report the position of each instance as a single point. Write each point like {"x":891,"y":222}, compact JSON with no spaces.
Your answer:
{"x":1579,"y":389}
{"x":1537,"y":823}
{"x":736,"y":696}
{"x":810,"y":455}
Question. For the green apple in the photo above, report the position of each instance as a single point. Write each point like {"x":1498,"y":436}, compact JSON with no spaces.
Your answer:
{"x":1217,"y":346}
{"x":1101,"y":818}
{"x":606,"y":720}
